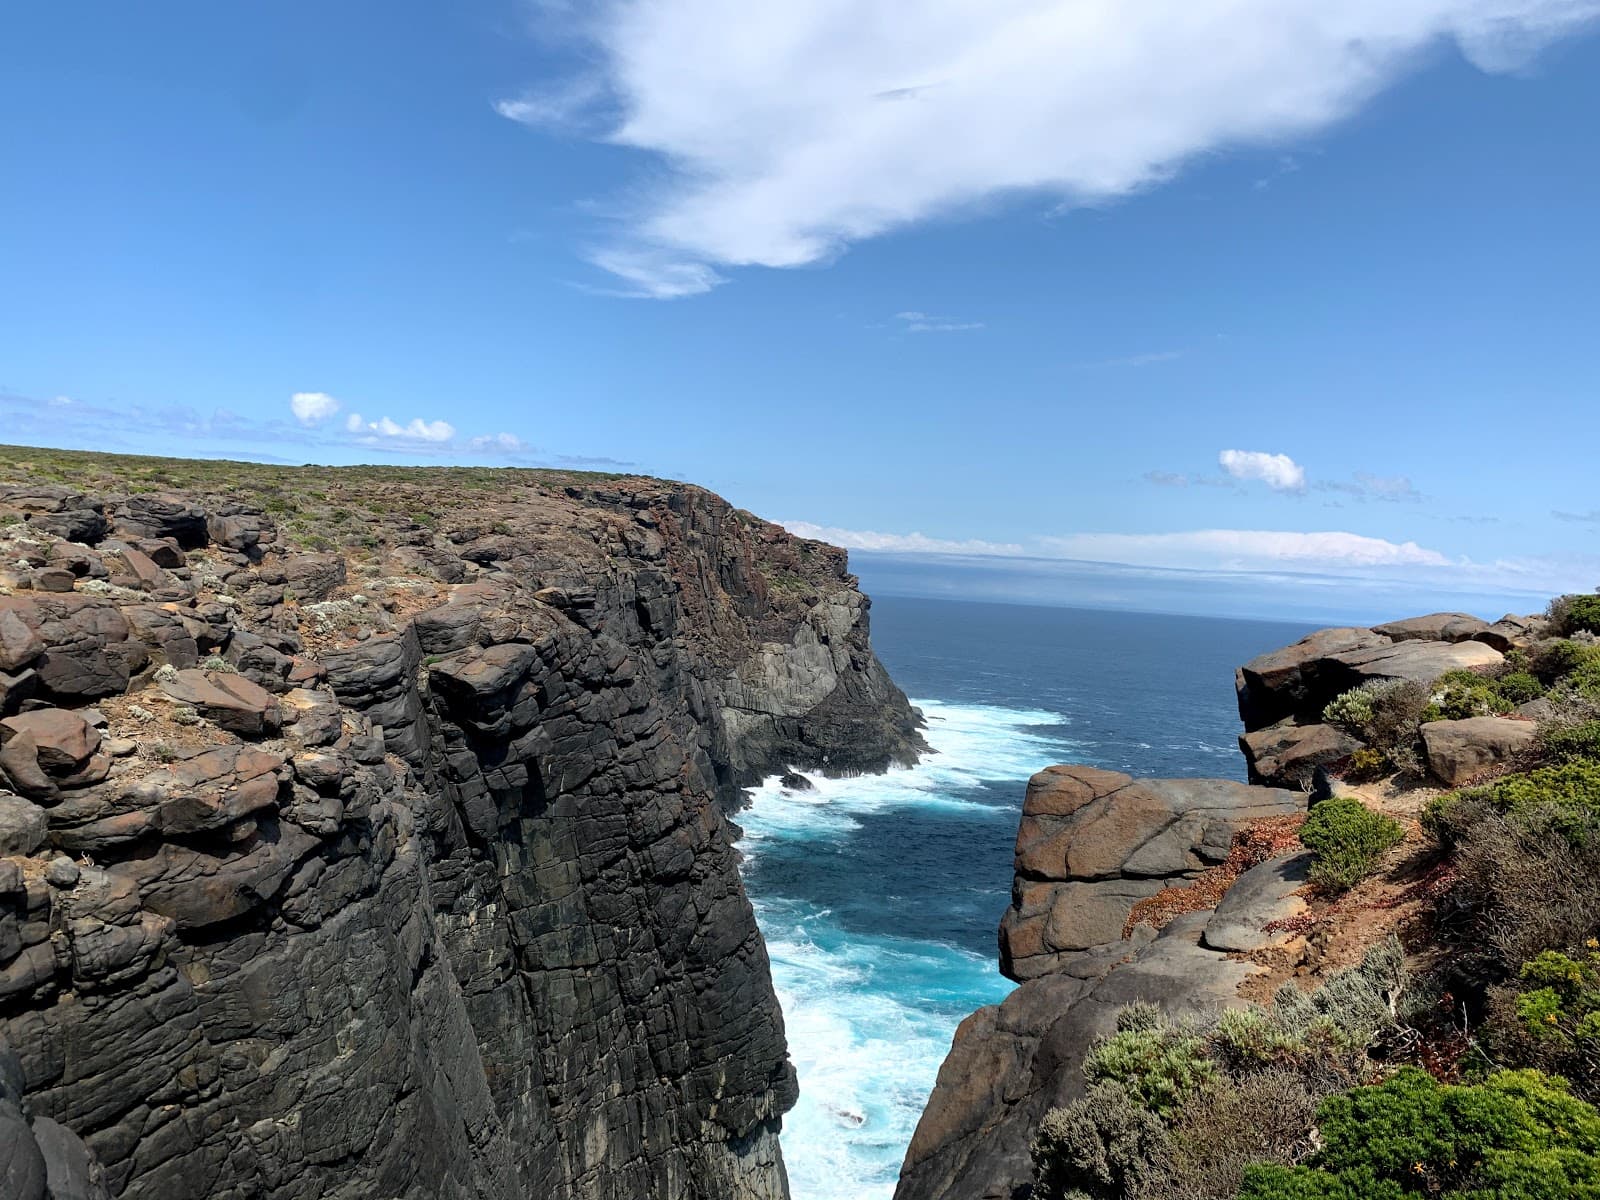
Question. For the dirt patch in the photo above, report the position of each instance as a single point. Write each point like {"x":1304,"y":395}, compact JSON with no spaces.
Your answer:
{"x":1252,"y":845}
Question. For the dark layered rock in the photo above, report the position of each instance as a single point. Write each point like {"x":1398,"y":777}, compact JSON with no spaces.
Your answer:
{"x":432,"y":893}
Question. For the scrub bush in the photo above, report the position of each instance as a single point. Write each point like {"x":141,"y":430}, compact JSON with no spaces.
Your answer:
{"x":1107,"y":1145}
{"x":1346,"y":839}
{"x":1563,"y":742}
{"x":1579,"y":613}
{"x":1158,"y":1067}
{"x":1562,"y":799}
{"x":1519,"y":687}
{"x":1458,"y":695}
{"x":1520,"y":1135}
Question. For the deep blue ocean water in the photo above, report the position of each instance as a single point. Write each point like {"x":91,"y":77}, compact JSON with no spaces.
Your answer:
{"x":879,"y":896}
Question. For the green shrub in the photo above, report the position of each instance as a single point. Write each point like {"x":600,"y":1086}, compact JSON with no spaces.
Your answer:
{"x":1324,"y":1037}
{"x":1368,"y":763}
{"x":1578,"y":613}
{"x":1383,"y":712}
{"x":1519,"y":687}
{"x":1562,"y":799}
{"x":1158,"y":1066}
{"x":1556,"y":659}
{"x":1520,"y":1135}
{"x":1549,"y":1017}
{"x":1107,"y":1145}
{"x":1346,"y":839}
{"x":1567,"y":742}
{"x":1458,"y":695}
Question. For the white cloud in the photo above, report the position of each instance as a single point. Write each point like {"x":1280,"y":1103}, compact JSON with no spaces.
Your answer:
{"x":312,"y":408}
{"x":1131,"y":360}
{"x":896,"y":543}
{"x":1388,"y":487}
{"x":790,"y":131}
{"x":1278,"y":471}
{"x":1245,"y":549}
{"x":921,"y":322}
{"x":506,"y":443}
{"x":416,"y":429}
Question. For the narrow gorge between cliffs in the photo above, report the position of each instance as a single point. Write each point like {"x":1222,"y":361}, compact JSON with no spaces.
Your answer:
{"x":878,"y":896}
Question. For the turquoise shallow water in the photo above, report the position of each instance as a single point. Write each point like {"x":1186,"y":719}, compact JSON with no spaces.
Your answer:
{"x":879,"y":896}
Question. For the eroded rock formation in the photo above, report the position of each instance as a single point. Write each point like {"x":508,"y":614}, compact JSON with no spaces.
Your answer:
{"x":403,"y":871}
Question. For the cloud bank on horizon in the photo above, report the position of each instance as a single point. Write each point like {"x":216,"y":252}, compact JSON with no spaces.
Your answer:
{"x":791,"y":131}
{"x":1333,"y":553}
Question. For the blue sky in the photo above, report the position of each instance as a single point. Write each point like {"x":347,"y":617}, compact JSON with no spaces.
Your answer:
{"x":1246,"y":287}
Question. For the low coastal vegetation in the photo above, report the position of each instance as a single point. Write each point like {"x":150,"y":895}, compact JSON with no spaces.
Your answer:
{"x":1460,"y":1060}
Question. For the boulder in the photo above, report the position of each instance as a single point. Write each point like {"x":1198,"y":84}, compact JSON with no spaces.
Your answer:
{"x":23,"y":826}
{"x":314,"y":576}
{"x":19,"y":645}
{"x":14,"y":689}
{"x":58,"y":510}
{"x":64,"y":741}
{"x":1460,"y":750}
{"x":54,"y":579}
{"x":1287,"y":754}
{"x":1417,"y":661}
{"x":157,"y":517}
{"x":19,"y":766}
{"x":242,"y":529}
{"x":230,"y":701}
{"x":1512,"y":632}
{"x":1287,"y":682}
{"x":1436,"y":627}
{"x":1267,"y":892}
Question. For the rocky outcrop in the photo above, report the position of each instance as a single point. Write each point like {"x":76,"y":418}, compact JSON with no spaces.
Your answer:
{"x":1090,"y":846}
{"x":407,"y":876}
{"x":1094,"y":844}
{"x":1282,"y":694}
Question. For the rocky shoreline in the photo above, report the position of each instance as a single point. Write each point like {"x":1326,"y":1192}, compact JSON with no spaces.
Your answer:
{"x":1191,"y":894}
{"x":346,"y":853}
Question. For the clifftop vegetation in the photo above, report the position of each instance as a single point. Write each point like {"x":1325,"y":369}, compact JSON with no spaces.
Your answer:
{"x":1460,"y":1059}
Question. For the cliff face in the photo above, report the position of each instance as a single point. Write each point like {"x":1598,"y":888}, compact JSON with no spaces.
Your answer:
{"x":402,"y":870}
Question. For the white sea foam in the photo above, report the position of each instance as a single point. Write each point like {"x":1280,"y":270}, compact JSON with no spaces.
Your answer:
{"x":974,"y":744}
{"x":870,"y":1018}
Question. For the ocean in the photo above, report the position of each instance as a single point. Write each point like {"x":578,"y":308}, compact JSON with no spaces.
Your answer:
{"x":879,"y":896}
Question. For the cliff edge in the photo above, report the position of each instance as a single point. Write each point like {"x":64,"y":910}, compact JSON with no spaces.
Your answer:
{"x":362,"y":830}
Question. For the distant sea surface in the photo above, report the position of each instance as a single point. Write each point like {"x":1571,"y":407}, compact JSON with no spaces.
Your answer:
{"x":879,"y":896}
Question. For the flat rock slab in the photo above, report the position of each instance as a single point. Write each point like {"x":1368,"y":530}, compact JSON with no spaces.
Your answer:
{"x":1460,"y":750}
{"x":65,"y":741}
{"x":230,"y":701}
{"x":1436,"y":627}
{"x":1419,"y":662}
{"x":1265,"y":893}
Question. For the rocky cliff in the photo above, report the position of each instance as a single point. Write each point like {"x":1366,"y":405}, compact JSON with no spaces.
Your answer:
{"x":363,"y":830}
{"x":1191,"y":893}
